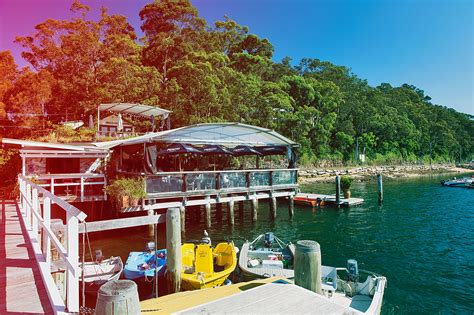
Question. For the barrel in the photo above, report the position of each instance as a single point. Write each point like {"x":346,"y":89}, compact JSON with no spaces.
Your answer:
{"x":118,"y":297}
{"x":307,"y":265}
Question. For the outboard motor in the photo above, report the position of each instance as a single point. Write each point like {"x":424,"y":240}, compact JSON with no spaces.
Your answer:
{"x":268,"y":239}
{"x":206,"y":239}
{"x":150,"y":246}
{"x":98,"y":256}
{"x":352,"y":270}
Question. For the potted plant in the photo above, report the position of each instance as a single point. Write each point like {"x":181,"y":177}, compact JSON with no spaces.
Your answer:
{"x":126,"y":192}
{"x":346,"y":183}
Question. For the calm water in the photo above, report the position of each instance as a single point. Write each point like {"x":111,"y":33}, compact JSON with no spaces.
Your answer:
{"x":421,"y":239}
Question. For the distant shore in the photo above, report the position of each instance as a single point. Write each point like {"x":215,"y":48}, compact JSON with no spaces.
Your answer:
{"x":369,"y":173}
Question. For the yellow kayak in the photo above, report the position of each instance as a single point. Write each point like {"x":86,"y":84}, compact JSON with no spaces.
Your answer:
{"x":205,"y":266}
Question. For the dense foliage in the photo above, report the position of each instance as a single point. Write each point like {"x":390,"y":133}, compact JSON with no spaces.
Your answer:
{"x":220,"y":72}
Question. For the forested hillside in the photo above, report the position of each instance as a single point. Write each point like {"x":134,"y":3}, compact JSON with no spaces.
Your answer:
{"x":219,"y":72}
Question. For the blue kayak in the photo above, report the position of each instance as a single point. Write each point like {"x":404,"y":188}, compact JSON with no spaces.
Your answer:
{"x":142,"y":264}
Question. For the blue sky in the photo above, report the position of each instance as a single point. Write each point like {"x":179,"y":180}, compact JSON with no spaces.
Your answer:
{"x":425,"y":43}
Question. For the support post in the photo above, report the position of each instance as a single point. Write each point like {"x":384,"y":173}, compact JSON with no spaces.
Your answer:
{"x":291,"y":206}
{"x":72,"y":280}
{"x":230,"y":209}
{"x":207,"y":209}
{"x":380,"y":188}
{"x":173,"y":248}
{"x":338,"y":190}
{"x":254,"y":209}
{"x":47,"y":223}
{"x":182,"y":212}
{"x":151,"y":227}
{"x":82,"y":188}
{"x":52,"y":186}
{"x":34,"y":219}
{"x":28,"y":207}
{"x":308,"y":265}
{"x":273,"y":207}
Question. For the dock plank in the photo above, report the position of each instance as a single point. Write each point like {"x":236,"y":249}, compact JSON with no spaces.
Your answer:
{"x":21,"y":287}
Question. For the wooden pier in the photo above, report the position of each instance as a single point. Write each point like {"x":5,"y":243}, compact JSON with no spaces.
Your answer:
{"x":326,"y":200}
{"x":22,"y":289}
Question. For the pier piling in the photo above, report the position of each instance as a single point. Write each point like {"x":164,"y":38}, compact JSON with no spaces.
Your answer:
{"x":230,"y":213}
{"x":182,"y":212}
{"x":173,"y":248}
{"x":207,"y":209}
{"x":380,"y":188}
{"x":308,"y":265}
{"x":338,"y":190}
{"x":254,"y":209}
{"x":291,"y":206}
{"x":273,"y":207}
{"x":151,"y":227}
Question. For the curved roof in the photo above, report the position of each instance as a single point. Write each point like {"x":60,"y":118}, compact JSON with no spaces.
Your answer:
{"x":134,"y":109}
{"x":228,"y":134}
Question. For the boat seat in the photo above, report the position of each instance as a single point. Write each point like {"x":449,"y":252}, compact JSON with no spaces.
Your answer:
{"x":328,"y":278}
{"x":204,"y":259}
{"x":187,"y":254}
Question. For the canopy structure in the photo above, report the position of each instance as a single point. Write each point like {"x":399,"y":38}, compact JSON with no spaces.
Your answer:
{"x":226,"y":134}
{"x":134,"y":109}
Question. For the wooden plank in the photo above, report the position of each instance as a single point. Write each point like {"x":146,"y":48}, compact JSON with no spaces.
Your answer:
{"x":123,"y":223}
{"x":20,"y":280}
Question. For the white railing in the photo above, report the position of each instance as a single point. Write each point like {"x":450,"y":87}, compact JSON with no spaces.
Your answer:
{"x":84,"y":182}
{"x":37,"y":221}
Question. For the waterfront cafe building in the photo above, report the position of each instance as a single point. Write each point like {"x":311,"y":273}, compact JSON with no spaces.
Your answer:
{"x":189,"y":166}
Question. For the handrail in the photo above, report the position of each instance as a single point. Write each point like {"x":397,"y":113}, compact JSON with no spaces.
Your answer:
{"x":223,"y":171}
{"x":72,"y":175}
{"x":38,"y":224}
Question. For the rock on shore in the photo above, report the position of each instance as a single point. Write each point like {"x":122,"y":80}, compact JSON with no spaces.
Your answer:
{"x":367,"y":173}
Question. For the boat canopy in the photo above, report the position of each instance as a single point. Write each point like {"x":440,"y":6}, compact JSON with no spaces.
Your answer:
{"x":226,"y":134}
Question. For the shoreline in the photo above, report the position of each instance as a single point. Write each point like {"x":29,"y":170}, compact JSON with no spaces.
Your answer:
{"x":369,"y":173}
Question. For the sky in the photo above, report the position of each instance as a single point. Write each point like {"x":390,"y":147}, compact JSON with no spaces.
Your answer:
{"x":429,"y":44}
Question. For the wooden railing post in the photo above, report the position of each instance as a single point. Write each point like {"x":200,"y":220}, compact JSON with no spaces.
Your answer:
{"x":218,"y":181}
{"x":52,"y":185}
{"x":270,"y":178}
{"x":47,"y":223}
{"x":184,"y":186}
{"x":34,"y":219}
{"x":28,"y":207}
{"x":22,"y":195}
{"x":72,"y":281}
{"x":247,"y":179}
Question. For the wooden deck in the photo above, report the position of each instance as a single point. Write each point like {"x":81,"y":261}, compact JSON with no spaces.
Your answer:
{"x":329,"y":200}
{"x":21,"y":287}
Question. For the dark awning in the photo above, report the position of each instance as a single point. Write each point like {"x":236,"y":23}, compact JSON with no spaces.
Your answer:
{"x":245,"y":150}
{"x":272,"y":150}
{"x":179,"y":148}
{"x":215,"y":149}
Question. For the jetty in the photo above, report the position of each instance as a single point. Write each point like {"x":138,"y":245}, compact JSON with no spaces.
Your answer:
{"x":326,"y":200}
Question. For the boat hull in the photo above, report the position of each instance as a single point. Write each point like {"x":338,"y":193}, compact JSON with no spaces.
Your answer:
{"x":142,"y":265}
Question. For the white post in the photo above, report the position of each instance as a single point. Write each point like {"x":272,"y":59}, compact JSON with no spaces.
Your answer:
{"x":52,"y":185}
{"x":82,"y":189}
{"x":23,"y":165}
{"x":72,"y":285}
{"x":34,"y":219}
{"x":47,"y":223}
{"x":22,"y":196}
{"x":28,"y":208}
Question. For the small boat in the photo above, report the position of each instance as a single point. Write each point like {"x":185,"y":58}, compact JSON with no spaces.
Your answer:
{"x":144,"y":265}
{"x":98,"y":272}
{"x":458,"y":182}
{"x":305,"y":201}
{"x":267,"y":256}
{"x":205,"y":266}
{"x":470,"y":185}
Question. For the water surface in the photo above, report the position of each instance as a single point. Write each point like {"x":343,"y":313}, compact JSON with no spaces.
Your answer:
{"x":421,"y":239}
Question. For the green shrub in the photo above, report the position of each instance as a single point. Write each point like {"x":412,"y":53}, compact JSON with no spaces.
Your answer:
{"x":133,"y":188}
{"x":346,"y":183}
